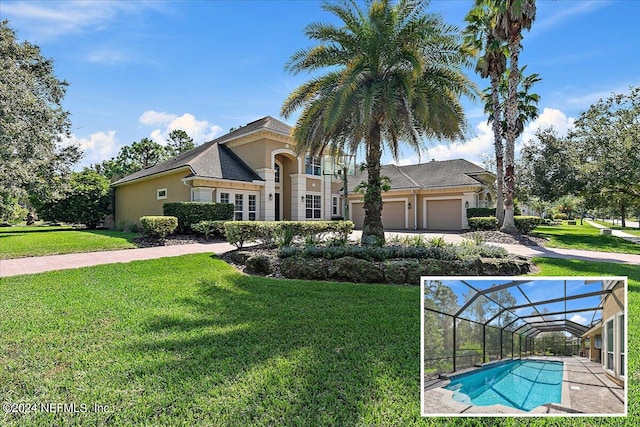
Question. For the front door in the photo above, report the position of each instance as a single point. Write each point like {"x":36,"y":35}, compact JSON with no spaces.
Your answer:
{"x":277,"y":206}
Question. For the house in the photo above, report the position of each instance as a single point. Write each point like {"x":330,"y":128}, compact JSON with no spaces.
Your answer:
{"x":256,"y":168}
{"x":606,"y":342}
{"x":428,"y":196}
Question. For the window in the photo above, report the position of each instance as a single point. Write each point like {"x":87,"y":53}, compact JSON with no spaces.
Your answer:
{"x":239,"y":207}
{"x":609,"y":331}
{"x":312,"y":165}
{"x":334,"y":206}
{"x":224,"y":197}
{"x":252,"y":207}
{"x":277,"y":174}
{"x":161,"y":193}
{"x":313,"y":206}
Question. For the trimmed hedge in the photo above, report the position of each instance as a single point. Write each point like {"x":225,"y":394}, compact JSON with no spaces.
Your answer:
{"x":267,"y":232}
{"x":525,"y":224}
{"x":480,"y":212}
{"x":193,"y":212}
{"x":482,"y":223}
{"x":383,"y":253}
{"x":158,"y":226}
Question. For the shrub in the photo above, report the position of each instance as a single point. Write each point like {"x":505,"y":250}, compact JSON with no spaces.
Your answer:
{"x":284,"y":232}
{"x":193,"y":212}
{"x":483,"y":223}
{"x":208,"y":228}
{"x":159,"y":226}
{"x":480,"y":212}
{"x":561,"y":216}
{"x":84,"y":200}
{"x":525,"y":224}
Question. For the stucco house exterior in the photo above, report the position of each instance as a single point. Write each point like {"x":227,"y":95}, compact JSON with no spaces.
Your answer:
{"x":256,"y":168}
{"x":606,"y":341}
{"x":428,"y":196}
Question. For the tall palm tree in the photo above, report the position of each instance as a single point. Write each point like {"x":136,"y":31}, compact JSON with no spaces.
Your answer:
{"x":393,"y":75}
{"x":527,"y":101}
{"x":480,"y":37}
{"x":512,"y":17}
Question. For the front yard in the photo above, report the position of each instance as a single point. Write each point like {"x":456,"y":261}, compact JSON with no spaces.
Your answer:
{"x":584,"y":237}
{"x":163,"y":343}
{"x":19,"y":242}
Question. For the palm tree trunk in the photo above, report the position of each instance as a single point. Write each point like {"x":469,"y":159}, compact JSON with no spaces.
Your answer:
{"x":511,"y":114}
{"x":498,"y":147}
{"x":372,"y":228}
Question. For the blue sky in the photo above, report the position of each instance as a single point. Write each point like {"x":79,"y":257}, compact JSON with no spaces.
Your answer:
{"x":141,"y":69}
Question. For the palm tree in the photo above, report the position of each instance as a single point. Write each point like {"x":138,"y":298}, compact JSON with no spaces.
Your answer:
{"x":394,"y":74}
{"x":480,"y":37}
{"x":527,"y":101}
{"x":512,"y":17}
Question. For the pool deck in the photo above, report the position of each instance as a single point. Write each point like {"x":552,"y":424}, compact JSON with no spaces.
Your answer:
{"x":586,"y":390}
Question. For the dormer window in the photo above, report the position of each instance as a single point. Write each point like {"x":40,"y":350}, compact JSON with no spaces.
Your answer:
{"x":312,"y":165}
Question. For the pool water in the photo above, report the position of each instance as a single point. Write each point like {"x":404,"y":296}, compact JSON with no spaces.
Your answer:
{"x":521,"y":384}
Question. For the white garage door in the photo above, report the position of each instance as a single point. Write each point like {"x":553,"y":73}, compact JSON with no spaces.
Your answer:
{"x":392,"y":215}
{"x":444,"y":214}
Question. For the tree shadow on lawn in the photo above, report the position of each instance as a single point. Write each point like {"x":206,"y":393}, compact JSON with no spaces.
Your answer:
{"x":265,"y":351}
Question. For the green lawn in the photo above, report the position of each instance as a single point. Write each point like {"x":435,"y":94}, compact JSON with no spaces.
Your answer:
{"x":18,"y":242}
{"x":630,"y":230}
{"x":163,"y":343}
{"x":584,"y":237}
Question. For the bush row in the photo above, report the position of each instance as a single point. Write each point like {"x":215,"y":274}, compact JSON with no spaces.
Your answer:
{"x":268,"y":232}
{"x":524,"y":224}
{"x":482,"y":223}
{"x":193,"y":212}
{"x":480,"y":212}
{"x":407,"y":271}
{"x":158,"y":226}
{"x":382,"y":253}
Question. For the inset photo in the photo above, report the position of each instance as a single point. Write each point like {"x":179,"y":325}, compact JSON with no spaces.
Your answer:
{"x":518,"y":346}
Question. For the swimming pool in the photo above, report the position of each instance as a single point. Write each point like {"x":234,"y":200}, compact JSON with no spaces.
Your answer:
{"x":521,"y":384}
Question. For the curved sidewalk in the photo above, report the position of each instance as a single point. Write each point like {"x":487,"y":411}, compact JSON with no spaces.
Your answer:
{"x":14,"y":267}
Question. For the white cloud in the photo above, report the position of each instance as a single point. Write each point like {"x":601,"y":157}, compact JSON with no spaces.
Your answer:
{"x":578,"y":319}
{"x":471,"y":150}
{"x":97,"y":147}
{"x":45,"y":20}
{"x":568,"y":10}
{"x":550,"y":117}
{"x":200,"y":130}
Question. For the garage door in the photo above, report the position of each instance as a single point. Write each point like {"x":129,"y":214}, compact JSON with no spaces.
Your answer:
{"x":392,"y":215}
{"x":357,"y":215}
{"x":444,"y":214}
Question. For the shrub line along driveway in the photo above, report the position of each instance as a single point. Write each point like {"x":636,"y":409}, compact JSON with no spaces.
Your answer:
{"x":14,"y":267}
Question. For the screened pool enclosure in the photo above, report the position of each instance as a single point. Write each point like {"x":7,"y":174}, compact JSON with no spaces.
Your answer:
{"x":469,"y":321}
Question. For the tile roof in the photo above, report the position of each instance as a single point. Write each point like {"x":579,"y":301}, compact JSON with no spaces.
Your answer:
{"x":214,"y":160}
{"x":434,"y":174}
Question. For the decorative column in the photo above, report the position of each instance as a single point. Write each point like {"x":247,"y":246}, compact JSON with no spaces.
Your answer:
{"x":327,"y":197}
{"x":298,"y":191}
{"x":267,"y":204}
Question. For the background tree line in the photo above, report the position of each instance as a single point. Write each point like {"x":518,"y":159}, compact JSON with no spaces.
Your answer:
{"x":597,"y":162}
{"x":37,"y":155}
